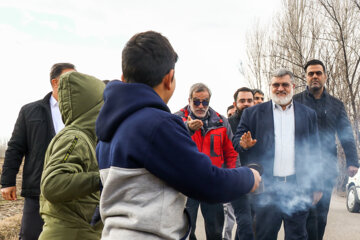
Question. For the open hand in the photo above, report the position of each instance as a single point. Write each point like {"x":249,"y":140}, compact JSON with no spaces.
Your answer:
{"x":246,"y":141}
{"x":195,"y":124}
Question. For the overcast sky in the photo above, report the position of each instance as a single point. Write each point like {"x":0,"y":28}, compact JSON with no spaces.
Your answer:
{"x":209,"y":37}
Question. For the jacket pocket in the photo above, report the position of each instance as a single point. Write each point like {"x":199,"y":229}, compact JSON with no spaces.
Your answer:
{"x":215,"y":145}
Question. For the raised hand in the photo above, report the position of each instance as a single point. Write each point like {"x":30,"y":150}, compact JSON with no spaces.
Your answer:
{"x":246,"y":141}
{"x":195,"y":124}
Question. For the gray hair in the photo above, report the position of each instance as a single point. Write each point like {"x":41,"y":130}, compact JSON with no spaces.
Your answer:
{"x":199,"y":87}
{"x":281,"y":72}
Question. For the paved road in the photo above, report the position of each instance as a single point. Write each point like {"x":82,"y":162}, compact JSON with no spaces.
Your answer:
{"x":342,"y":225}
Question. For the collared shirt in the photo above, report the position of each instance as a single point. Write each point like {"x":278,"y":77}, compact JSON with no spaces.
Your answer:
{"x":284,"y":129}
{"x":56,"y":115}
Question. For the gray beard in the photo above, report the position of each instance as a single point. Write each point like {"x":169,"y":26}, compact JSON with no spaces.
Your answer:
{"x":282,"y":100}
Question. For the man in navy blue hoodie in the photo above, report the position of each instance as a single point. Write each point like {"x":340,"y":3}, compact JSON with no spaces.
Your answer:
{"x":147,"y":160}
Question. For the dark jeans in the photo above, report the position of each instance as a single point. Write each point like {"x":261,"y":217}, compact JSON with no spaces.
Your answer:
{"x":31,"y":222}
{"x":282,"y":202}
{"x":242,"y":211}
{"x":317,"y":219}
{"x":213,"y":217}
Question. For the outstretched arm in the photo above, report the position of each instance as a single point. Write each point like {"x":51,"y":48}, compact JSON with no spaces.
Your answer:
{"x":181,"y":165}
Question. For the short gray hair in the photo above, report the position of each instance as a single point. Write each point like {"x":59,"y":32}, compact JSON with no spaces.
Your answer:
{"x":199,"y":87}
{"x":281,"y":72}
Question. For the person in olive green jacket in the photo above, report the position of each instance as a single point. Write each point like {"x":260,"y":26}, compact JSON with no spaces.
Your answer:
{"x":70,"y":180}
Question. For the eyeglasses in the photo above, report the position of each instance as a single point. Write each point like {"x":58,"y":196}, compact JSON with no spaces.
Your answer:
{"x":318,"y":73}
{"x":258,"y":98}
{"x":197,"y":102}
{"x":243,"y":100}
{"x":277,"y":85}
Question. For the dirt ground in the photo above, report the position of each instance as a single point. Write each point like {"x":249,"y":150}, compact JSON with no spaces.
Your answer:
{"x":11,"y":208}
{"x":11,"y":211}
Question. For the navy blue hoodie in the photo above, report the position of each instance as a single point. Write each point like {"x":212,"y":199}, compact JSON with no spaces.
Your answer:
{"x":137,"y":130}
{"x":146,"y":157}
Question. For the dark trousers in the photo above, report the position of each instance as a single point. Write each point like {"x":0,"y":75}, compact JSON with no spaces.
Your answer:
{"x":317,"y":219}
{"x":213,"y":217}
{"x":31,"y":223}
{"x":282,"y":202}
{"x":269,"y":221}
{"x":242,"y":211}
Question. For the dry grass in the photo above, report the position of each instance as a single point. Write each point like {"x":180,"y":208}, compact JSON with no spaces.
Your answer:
{"x":10,"y":227}
{"x":11,"y":212}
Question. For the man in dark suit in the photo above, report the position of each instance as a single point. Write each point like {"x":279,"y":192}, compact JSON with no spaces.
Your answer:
{"x":282,"y":136}
{"x":332,"y":120}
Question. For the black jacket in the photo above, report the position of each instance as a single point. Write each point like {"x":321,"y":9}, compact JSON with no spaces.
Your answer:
{"x":234,"y":121}
{"x":332,"y":119}
{"x":32,"y":134}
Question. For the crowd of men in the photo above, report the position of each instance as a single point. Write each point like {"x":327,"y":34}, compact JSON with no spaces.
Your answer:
{"x":113,"y":162}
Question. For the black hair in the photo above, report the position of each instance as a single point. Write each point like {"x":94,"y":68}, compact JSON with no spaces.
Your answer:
{"x":258,"y":91}
{"x":147,"y":58}
{"x":314,"y":62}
{"x":243,"y":89}
{"x":230,"y":107}
{"x":57,"y":69}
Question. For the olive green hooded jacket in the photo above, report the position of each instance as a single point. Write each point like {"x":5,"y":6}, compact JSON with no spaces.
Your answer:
{"x":70,"y":180}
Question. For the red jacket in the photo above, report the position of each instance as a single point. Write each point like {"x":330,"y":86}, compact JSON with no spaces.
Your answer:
{"x":215,"y":141}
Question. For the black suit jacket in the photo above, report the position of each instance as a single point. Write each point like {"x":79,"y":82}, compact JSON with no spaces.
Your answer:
{"x":260,"y":122}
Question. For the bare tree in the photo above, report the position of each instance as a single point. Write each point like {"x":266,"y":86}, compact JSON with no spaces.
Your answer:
{"x":292,"y":40}
{"x":328,"y":30}
{"x":357,"y":3}
{"x":257,"y":62}
{"x":307,"y":29}
{"x":343,"y":33}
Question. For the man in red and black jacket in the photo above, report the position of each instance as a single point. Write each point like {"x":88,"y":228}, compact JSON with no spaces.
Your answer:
{"x":212,"y":134}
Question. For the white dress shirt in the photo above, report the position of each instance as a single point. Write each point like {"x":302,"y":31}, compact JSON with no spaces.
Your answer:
{"x":284,"y":129}
{"x":56,"y":115}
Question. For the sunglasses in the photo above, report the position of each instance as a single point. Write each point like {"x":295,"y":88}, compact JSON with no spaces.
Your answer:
{"x":318,"y":73}
{"x":258,"y":98}
{"x":277,"y":85}
{"x":197,"y":102}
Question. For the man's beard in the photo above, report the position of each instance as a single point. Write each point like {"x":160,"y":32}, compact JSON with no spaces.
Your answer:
{"x":239,"y":111}
{"x":282,"y":100}
{"x":315,"y":88}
